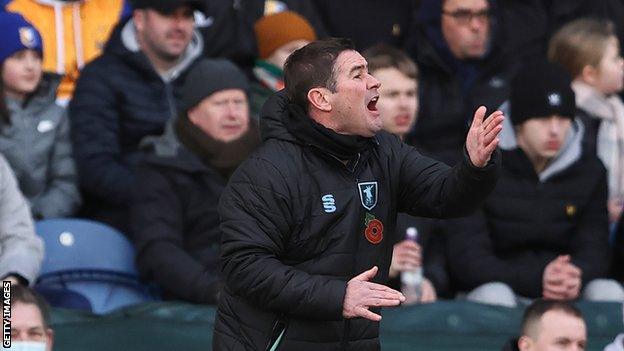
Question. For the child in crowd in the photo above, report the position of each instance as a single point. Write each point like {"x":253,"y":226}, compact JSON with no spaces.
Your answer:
{"x":590,"y":51}
{"x":34,"y":131}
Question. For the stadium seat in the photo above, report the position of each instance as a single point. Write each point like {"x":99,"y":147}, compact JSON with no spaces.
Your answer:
{"x":90,"y":259}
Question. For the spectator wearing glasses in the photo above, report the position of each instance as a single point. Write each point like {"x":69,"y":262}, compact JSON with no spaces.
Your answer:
{"x":461,"y":62}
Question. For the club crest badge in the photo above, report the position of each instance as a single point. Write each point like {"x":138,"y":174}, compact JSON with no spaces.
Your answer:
{"x":27,"y":36}
{"x":368,"y":194}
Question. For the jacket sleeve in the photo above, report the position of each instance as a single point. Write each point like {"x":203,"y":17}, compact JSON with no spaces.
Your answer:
{"x":94,"y":116}
{"x":589,"y":246}
{"x":157,"y":217}
{"x":62,"y":197}
{"x":21,"y":251}
{"x":431,"y":189}
{"x":256,"y":221}
{"x":472,"y":260}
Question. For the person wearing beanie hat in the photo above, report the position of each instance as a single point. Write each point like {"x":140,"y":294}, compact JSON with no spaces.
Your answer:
{"x":17,"y":35}
{"x":73,"y":33}
{"x":277,"y":35}
{"x":30,"y":116}
{"x":543,"y":231}
{"x":541,"y":89}
{"x":174,"y":212}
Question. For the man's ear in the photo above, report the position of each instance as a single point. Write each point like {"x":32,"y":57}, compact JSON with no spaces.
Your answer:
{"x":138,"y":17}
{"x":319,"y":99}
{"x":589,"y":75}
{"x":525,"y":343}
{"x":50,"y":339}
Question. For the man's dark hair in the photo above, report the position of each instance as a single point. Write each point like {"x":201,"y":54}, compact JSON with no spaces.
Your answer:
{"x":534,"y":313}
{"x":312,"y":66}
{"x":25,"y":295}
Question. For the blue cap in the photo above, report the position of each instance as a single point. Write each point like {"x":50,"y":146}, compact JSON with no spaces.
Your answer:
{"x":17,"y":34}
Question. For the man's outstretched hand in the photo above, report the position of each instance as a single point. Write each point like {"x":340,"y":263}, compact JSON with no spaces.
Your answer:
{"x":482,"y":137}
{"x":362,"y":294}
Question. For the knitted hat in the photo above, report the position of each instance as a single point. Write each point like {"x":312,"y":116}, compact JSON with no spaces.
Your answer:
{"x":276,"y":30}
{"x":168,"y":6}
{"x":541,"y":89}
{"x":16,"y":35}
{"x":209,"y":76}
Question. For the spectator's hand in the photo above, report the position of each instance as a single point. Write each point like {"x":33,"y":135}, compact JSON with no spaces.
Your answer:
{"x":615,"y":209}
{"x":573,"y":283}
{"x":362,"y":294}
{"x":553,"y":279}
{"x":406,"y":255}
{"x":561,"y":280}
{"x":482,"y":137}
{"x":428,"y":292}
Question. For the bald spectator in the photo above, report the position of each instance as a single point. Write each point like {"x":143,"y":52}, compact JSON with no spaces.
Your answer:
{"x":550,"y":325}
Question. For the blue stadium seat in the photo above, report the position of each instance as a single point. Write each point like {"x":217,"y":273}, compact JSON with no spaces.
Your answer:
{"x":91,"y":259}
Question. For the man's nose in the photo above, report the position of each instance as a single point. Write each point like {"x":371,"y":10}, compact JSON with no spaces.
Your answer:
{"x":373,"y":83}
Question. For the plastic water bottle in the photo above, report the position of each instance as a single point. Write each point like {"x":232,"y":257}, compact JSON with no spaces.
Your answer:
{"x":411,"y":281}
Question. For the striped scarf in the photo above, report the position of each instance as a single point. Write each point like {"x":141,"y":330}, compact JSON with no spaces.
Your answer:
{"x":269,"y":75}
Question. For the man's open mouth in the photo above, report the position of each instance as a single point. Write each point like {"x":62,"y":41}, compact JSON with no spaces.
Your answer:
{"x":372,"y":104}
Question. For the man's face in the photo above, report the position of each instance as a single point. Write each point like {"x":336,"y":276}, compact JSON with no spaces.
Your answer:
{"x":27,"y":325}
{"x":224,"y":115}
{"x":556,"y":331}
{"x":466,"y":27}
{"x":279,"y":56}
{"x":354,"y":103}
{"x":398,"y":102}
{"x":542,"y":138}
{"x":165,"y":35}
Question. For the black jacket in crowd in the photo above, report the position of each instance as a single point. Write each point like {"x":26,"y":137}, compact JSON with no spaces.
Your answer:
{"x":451,"y":90}
{"x":368,"y":22}
{"x":526,"y":223}
{"x":175,"y":223}
{"x":293,"y":232}
{"x":119,"y":99}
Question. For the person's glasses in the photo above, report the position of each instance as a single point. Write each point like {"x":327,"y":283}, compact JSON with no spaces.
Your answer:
{"x":464,"y":17}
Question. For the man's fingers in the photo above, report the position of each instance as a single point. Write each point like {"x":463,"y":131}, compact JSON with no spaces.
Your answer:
{"x":552,"y":296}
{"x":381,"y":302}
{"x":489,"y":149}
{"x":383,"y":288}
{"x":364,"y":313}
{"x":367,"y":275}
{"x":492,"y":134}
{"x":477,"y":121}
{"x":493,"y":120}
{"x":556,"y":289}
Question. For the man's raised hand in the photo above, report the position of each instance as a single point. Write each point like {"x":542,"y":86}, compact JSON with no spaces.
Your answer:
{"x":482,"y":137}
